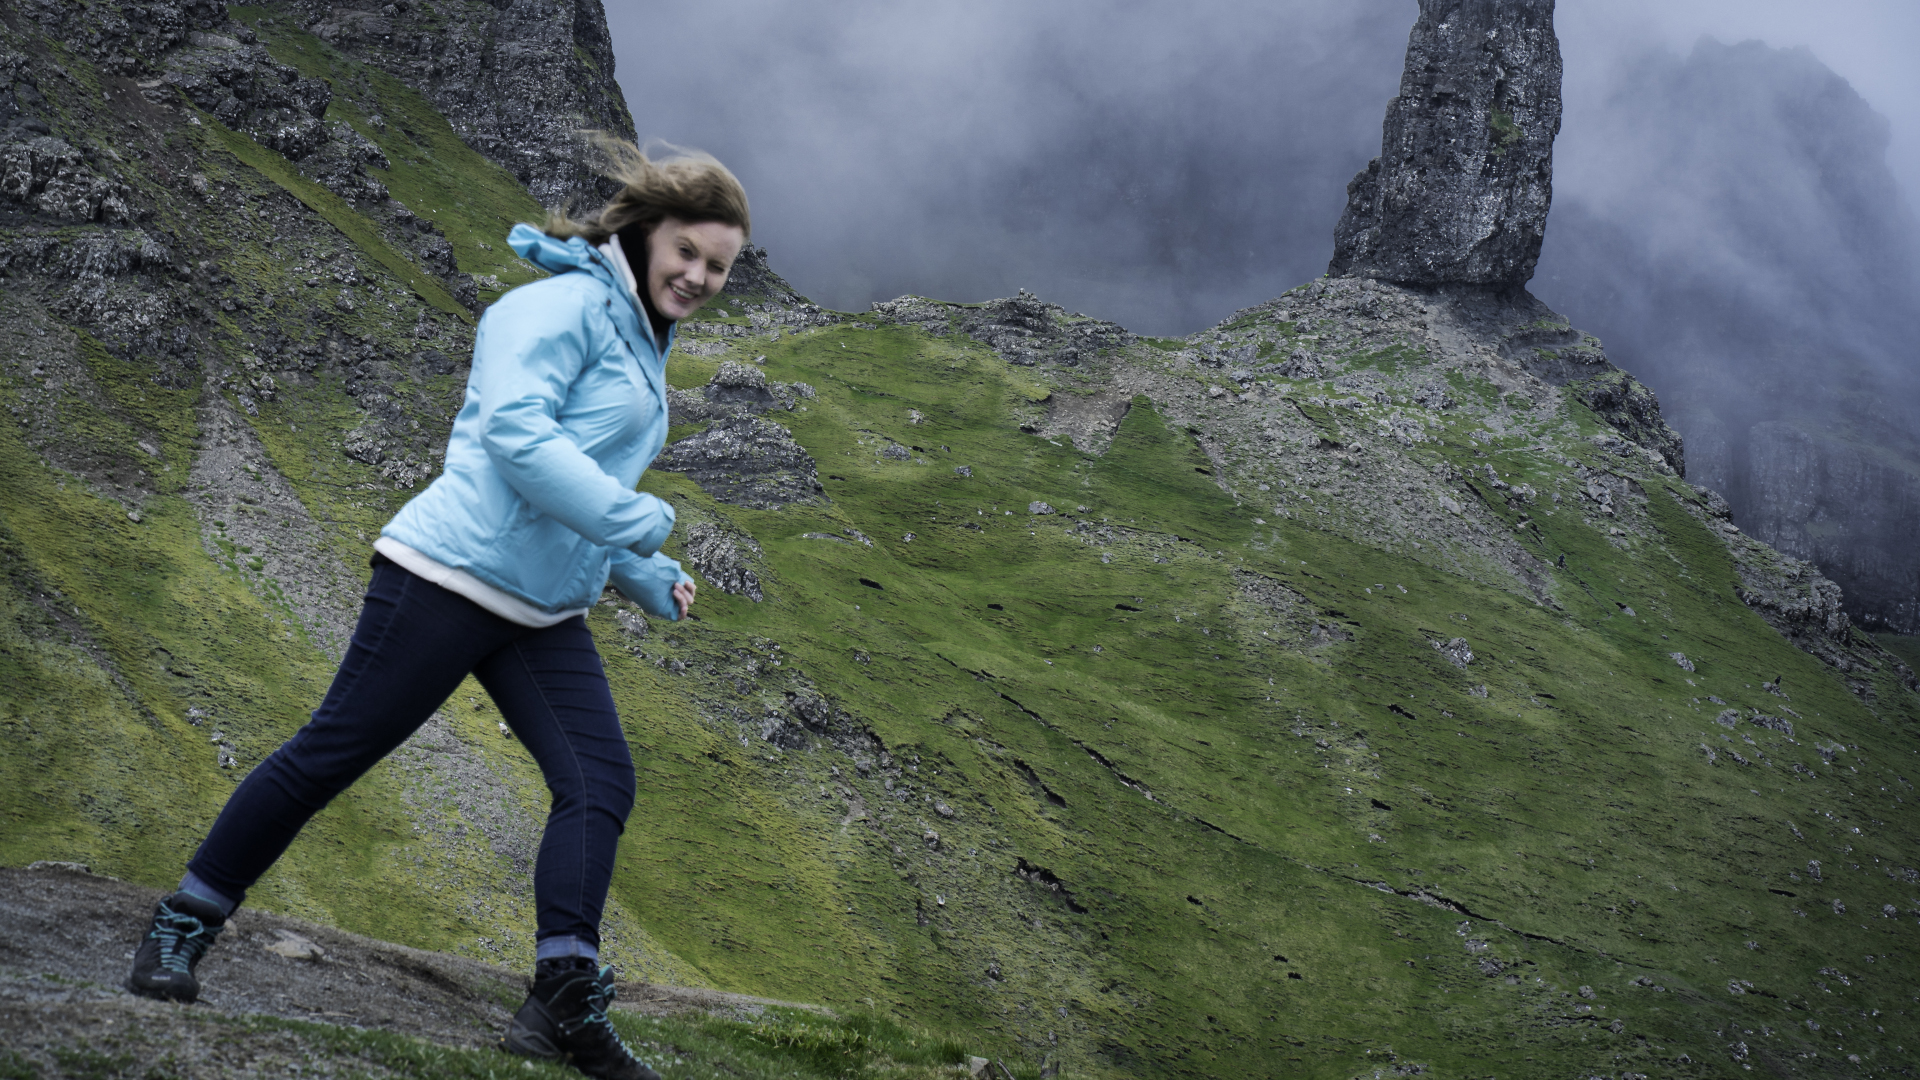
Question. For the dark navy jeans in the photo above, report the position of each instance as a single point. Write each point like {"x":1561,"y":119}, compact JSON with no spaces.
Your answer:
{"x":414,"y":643}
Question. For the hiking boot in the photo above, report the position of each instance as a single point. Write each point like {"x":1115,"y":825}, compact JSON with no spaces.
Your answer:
{"x":565,"y":1019}
{"x":184,"y":927}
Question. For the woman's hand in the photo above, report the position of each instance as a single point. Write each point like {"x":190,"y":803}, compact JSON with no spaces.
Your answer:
{"x":683,"y":595}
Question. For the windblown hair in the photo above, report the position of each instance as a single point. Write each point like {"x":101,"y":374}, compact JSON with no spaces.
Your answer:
{"x":686,"y":184}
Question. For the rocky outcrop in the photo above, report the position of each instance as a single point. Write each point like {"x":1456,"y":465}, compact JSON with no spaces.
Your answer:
{"x":1023,"y":329}
{"x":518,"y":81}
{"x":1852,"y":508}
{"x":752,"y":277}
{"x":746,"y":461}
{"x":1739,"y":241}
{"x":1460,"y":191}
{"x":1796,"y":599}
{"x":47,"y":175}
{"x":246,"y":90}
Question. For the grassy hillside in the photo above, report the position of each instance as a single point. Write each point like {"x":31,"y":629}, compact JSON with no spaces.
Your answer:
{"x":1381,"y":713}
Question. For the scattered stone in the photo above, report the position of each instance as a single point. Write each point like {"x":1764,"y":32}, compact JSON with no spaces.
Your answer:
{"x":55,"y":864}
{"x":1456,"y":651}
{"x":1681,"y":659}
{"x":1039,"y":508}
{"x":293,"y":946}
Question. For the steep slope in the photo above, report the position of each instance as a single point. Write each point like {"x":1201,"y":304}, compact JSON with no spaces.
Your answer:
{"x":1354,"y":688}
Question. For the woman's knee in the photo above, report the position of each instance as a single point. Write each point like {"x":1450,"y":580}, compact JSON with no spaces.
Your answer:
{"x":608,"y":788}
{"x":618,"y":791}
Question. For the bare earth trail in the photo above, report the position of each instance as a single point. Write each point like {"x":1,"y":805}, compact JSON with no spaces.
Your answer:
{"x":67,"y":936}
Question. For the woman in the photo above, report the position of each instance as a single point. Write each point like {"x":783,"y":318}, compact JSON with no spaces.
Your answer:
{"x":490,"y":571}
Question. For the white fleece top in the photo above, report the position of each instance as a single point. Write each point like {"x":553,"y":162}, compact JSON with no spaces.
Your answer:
{"x":507,"y":606}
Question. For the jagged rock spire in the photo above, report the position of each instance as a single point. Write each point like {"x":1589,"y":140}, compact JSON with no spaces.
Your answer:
{"x":1460,"y":191}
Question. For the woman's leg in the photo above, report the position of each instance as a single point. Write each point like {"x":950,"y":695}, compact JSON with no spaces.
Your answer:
{"x":553,"y":692}
{"x":414,"y":643}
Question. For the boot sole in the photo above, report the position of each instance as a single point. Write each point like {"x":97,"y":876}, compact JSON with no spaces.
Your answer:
{"x":158,"y":993}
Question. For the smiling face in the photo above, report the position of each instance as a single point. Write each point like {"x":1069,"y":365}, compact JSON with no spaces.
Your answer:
{"x":687,"y":263}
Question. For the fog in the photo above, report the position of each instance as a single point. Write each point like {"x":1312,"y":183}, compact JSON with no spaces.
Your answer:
{"x":1158,"y":164}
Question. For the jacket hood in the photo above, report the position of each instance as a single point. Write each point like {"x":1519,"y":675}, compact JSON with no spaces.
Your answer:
{"x":556,"y":256}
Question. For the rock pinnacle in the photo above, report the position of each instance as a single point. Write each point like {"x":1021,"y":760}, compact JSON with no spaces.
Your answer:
{"x":1461,"y":189}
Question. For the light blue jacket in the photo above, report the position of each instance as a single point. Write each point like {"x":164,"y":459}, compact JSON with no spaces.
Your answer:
{"x":566,"y":406}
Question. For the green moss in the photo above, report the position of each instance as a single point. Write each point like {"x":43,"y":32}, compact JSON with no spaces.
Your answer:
{"x":1505,"y":131}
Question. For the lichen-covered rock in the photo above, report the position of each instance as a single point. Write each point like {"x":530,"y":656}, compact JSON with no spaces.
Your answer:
{"x":722,"y":557}
{"x":517,"y":81}
{"x":51,"y":177}
{"x":340,"y":166}
{"x":742,"y":384}
{"x":126,"y":38}
{"x":746,"y":461}
{"x":1460,"y":191}
{"x":248,"y":91}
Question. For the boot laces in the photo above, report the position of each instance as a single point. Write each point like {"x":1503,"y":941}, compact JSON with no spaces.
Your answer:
{"x":599,"y":1000}
{"x":183,"y":939}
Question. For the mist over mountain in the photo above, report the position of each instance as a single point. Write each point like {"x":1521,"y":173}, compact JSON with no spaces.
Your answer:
{"x":1735,"y":236}
{"x":1160,"y":166}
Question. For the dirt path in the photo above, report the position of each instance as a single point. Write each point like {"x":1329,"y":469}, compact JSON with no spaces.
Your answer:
{"x":67,"y":937}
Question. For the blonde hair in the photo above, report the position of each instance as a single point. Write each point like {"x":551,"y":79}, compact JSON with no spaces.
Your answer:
{"x":687,"y":184}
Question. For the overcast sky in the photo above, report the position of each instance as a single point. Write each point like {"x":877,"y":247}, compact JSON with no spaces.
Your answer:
{"x":1159,"y":164}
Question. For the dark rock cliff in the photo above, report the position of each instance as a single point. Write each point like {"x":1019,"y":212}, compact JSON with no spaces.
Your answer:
{"x":1460,"y":191}
{"x":519,"y":80}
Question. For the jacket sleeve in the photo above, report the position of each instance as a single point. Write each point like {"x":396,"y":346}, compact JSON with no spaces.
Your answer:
{"x":527,"y":354}
{"x":649,"y":582}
